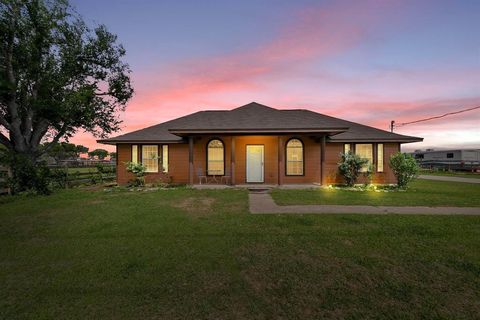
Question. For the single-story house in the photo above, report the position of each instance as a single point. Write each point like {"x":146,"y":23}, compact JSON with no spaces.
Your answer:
{"x":254,"y":144}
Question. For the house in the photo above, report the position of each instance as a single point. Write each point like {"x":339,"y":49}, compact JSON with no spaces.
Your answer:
{"x":254,"y":144}
{"x":451,"y":159}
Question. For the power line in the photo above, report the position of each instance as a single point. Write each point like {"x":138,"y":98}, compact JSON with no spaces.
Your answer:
{"x":394,"y":125}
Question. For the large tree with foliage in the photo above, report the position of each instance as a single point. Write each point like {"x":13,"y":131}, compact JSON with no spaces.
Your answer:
{"x":64,"y":150}
{"x":57,"y":76}
{"x":100,"y":154}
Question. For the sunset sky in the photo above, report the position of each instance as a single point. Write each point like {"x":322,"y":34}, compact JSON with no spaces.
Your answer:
{"x":364,"y":61}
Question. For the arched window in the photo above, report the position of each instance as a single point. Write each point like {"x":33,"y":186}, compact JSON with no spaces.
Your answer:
{"x":215,"y":157}
{"x":294,"y":157}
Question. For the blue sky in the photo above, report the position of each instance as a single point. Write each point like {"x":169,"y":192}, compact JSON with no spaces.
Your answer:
{"x":366,"y":61}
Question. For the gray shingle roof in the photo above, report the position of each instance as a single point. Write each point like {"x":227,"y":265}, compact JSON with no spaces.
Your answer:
{"x":257,"y":118}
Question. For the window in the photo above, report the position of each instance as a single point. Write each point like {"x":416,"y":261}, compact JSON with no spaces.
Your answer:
{"x":380,"y":157}
{"x":449,"y":155}
{"x":294,"y":157}
{"x":346,"y":148}
{"x":150,"y":157}
{"x":215,"y":157}
{"x":134,"y":153}
{"x":165,"y":158}
{"x":365,"y":151}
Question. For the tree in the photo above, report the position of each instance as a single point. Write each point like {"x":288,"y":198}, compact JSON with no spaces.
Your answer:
{"x":113,"y":155}
{"x":404,"y":167}
{"x":64,"y":150}
{"x":80,"y":150}
{"x":57,"y":76}
{"x":60,"y":151}
{"x":99,"y":153}
{"x":350,"y":166}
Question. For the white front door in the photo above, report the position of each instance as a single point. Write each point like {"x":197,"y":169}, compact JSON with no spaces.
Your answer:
{"x":255,"y":163}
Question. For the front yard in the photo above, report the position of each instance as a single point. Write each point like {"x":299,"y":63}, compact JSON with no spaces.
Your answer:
{"x":420,"y":193}
{"x":459,"y":174}
{"x":199,"y":254}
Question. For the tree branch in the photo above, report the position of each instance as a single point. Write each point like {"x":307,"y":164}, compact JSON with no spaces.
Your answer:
{"x":28,"y":124}
{"x":57,"y":137}
{"x":15,"y":123}
{"x":38,"y":132}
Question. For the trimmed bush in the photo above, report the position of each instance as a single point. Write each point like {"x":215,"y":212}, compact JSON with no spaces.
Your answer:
{"x":350,"y":166}
{"x":138,"y":169}
{"x":404,"y":167}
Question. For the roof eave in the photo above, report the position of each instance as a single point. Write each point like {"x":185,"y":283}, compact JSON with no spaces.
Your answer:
{"x":399,"y":140}
{"x":183,"y":132}
{"x":139,"y":141}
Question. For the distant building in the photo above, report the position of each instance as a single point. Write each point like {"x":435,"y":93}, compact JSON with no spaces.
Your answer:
{"x":453,"y":159}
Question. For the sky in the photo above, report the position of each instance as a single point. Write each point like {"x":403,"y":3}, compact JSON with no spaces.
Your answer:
{"x":364,"y":61}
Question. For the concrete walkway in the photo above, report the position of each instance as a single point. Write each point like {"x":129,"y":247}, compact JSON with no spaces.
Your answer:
{"x":262,"y":203}
{"x":451,"y":179}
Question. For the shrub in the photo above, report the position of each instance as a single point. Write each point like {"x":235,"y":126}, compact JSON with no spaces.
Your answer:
{"x":368,"y":174}
{"x":59,"y":177}
{"x":138,"y":169}
{"x":27,"y":175}
{"x":404,"y":167}
{"x":350,"y":166}
{"x":103,"y":172}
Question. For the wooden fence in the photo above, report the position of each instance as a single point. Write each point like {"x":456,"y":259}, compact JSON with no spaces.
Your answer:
{"x":65,"y":177}
{"x":3,"y":180}
{"x":68,"y":176}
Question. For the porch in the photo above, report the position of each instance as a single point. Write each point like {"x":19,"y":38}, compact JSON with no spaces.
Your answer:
{"x":256,"y":160}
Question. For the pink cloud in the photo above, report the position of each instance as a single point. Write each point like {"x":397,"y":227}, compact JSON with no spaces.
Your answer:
{"x":267,"y":73}
{"x":317,"y":32}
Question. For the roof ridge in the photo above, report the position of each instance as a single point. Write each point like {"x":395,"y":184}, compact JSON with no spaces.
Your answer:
{"x":253,"y":104}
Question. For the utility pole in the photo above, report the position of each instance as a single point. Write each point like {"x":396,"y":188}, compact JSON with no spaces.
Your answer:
{"x":392,"y":125}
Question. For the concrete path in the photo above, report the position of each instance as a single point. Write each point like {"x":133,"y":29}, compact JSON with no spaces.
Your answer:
{"x":451,"y":179}
{"x":262,"y":203}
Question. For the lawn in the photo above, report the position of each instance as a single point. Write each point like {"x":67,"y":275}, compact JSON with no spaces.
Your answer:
{"x":83,"y":170}
{"x":198,"y":254}
{"x":420,"y":193}
{"x":460,"y":174}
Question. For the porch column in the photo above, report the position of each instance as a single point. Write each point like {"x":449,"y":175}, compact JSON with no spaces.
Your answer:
{"x":322,"y":161}
{"x":280,"y":160}
{"x":232,"y":164}
{"x":190,"y":160}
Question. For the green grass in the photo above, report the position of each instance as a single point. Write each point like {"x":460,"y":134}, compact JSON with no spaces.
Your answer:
{"x":198,"y":254}
{"x":474,"y":175}
{"x":83,"y":170}
{"x":420,"y":193}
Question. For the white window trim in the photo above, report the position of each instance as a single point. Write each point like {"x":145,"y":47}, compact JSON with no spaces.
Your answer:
{"x":295,"y":161}
{"x":165,"y":151}
{"x":383,"y":157}
{"x":216,"y":161}
{"x":134,"y":153}
{"x":371,"y":161}
{"x":143,"y":158}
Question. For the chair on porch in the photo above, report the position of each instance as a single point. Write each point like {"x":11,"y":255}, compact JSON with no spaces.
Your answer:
{"x":226,"y":176}
{"x":201,"y":176}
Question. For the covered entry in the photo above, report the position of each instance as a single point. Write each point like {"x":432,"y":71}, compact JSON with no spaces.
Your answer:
{"x":255,"y":161}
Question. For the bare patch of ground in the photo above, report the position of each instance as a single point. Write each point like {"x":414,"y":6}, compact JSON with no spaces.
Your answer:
{"x":196,"y":206}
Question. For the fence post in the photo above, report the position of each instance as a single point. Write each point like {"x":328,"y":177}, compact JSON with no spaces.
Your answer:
{"x":66,"y":175}
{"x":7,"y":189}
